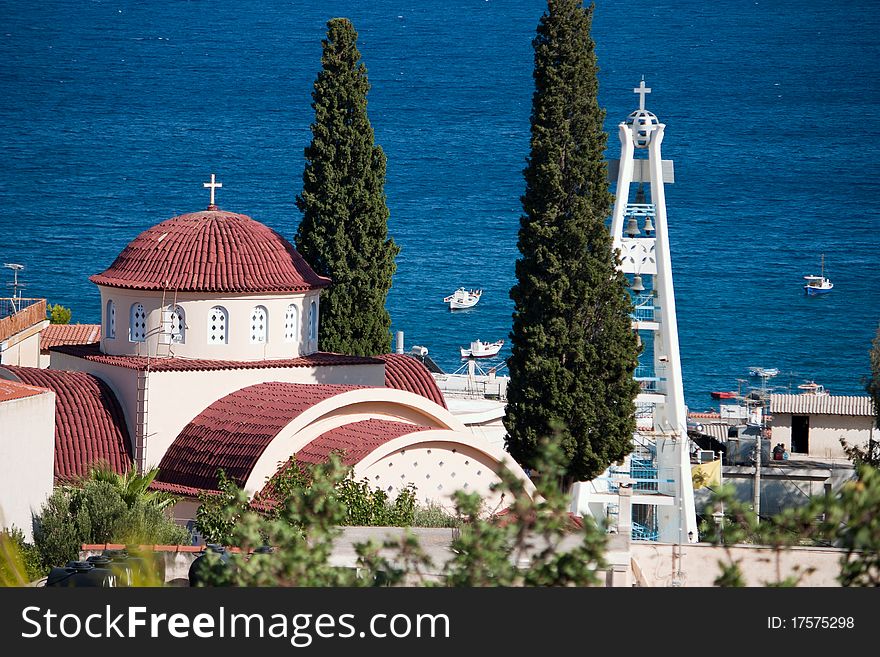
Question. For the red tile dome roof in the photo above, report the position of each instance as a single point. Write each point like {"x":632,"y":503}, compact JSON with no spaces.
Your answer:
{"x":211,"y":251}
{"x":89,"y":424}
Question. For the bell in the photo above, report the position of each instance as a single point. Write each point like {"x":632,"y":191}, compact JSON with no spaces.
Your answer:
{"x":649,"y":225}
{"x":632,"y":227}
{"x":637,"y":284}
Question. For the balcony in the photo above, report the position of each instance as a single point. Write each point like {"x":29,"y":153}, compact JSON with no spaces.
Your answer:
{"x":17,"y":315}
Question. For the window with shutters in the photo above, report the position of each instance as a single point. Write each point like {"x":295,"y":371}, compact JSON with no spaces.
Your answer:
{"x":177,"y":328}
{"x":313,"y":322}
{"x":291,"y":323}
{"x":217,"y":320}
{"x":110,"y":320}
{"x":259,"y":328}
{"x":137,"y":324}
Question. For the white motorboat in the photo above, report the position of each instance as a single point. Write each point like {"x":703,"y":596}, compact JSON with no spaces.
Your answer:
{"x":480,"y":349}
{"x":813,"y":388}
{"x":765,"y":372}
{"x":463,"y":298}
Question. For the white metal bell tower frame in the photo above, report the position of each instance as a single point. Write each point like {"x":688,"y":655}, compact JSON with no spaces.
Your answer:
{"x":661,"y":411}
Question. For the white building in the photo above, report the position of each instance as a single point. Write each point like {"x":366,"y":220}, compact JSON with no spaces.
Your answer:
{"x":813,"y":425}
{"x":27,"y":450}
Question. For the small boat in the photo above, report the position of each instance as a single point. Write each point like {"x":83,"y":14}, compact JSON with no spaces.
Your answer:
{"x":480,"y":349}
{"x":765,"y":372}
{"x":463,"y":298}
{"x":723,"y":395}
{"x":813,"y":388}
{"x":818,"y":284}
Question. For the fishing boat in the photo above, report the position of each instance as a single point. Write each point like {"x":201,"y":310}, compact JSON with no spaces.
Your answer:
{"x":463,"y":298}
{"x":480,"y":349}
{"x":818,"y":284}
{"x":765,"y":372}
{"x":813,"y":388}
{"x":722,"y":395}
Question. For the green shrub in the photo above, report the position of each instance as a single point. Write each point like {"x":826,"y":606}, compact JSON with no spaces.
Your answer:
{"x":96,"y":512}
{"x":58,"y":314}
{"x":20,"y":561}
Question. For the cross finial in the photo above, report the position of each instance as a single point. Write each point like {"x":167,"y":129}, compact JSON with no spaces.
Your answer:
{"x":212,"y":186}
{"x":641,"y":90}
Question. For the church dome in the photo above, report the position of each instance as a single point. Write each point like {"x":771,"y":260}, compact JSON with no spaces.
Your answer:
{"x":211,"y":251}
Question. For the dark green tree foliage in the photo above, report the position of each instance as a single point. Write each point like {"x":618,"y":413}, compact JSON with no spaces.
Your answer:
{"x":869,"y":453}
{"x":573,"y":352}
{"x":344,"y":229}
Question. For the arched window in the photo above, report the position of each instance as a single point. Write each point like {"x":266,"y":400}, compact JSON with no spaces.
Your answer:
{"x":177,"y":328}
{"x":137,"y":323}
{"x":259,"y":322}
{"x":217,"y":319}
{"x":110,"y":320}
{"x":291,"y":323}
{"x":313,"y":322}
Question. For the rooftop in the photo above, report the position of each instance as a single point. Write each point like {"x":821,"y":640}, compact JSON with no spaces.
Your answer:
{"x":10,"y":390}
{"x":211,"y":251}
{"x":89,"y":423}
{"x":822,"y":405}
{"x":58,"y":334}
{"x":320,"y":359}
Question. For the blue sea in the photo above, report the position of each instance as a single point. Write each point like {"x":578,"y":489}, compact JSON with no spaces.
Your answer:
{"x":113,"y":113}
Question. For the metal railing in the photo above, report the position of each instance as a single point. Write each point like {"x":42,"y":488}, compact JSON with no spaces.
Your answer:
{"x":10,"y":306}
{"x":17,"y":315}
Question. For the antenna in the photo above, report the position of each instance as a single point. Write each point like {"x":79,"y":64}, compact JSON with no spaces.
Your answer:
{"x":15,"y":285}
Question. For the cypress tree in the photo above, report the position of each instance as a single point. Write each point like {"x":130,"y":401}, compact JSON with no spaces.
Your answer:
{"x":344,"y":229}
{"x":573,"y":350}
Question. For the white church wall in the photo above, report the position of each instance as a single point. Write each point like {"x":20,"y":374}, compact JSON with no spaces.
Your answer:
{"x":27,"y":458}
{"x":238,"y":338}
{"x":438,"y":463}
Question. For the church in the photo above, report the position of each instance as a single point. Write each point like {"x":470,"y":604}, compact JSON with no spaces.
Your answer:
{"x":209,"y":359}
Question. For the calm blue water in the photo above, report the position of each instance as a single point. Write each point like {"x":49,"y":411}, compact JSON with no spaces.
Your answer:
{"x":113,"y":113}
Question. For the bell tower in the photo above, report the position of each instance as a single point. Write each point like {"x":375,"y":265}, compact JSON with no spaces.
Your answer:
{"x":640,"y":232}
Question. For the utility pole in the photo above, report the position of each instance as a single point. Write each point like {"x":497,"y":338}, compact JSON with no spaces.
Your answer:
{"x":756,"y":502}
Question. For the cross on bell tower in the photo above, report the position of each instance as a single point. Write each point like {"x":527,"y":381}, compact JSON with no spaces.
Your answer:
{"x":213,"y":185}
{"x":642,"y":91}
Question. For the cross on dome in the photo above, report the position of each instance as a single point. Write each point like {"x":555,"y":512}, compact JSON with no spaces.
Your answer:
{"x":642,"y":90}
{"x":213,"y":185}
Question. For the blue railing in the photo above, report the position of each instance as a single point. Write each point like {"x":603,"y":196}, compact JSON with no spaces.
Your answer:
{"x":644,"y":308}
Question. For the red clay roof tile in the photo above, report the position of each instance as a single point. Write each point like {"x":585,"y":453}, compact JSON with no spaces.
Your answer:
{"x":211,"y":251}
{"x":404,"y":372}
{"x":233,"y":432}
{"x":58,"y":334}
{"x":353,"y":441}
{"x":93,"y":353}
{"x":89,"y":423}
{"x":10,"y":390}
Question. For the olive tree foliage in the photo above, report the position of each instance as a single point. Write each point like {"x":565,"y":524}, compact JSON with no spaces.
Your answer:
{"x":532,"y":543}
{"x":849,"y":520}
